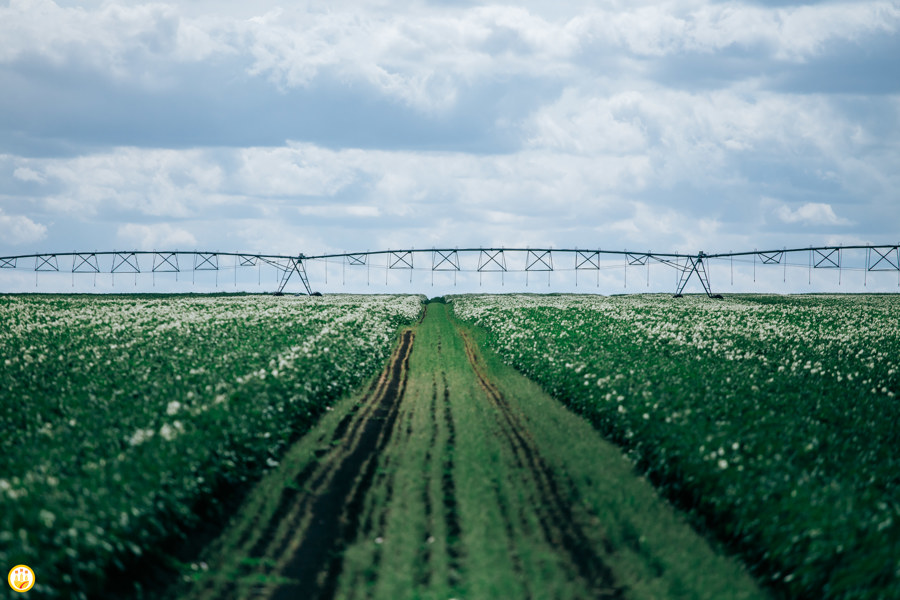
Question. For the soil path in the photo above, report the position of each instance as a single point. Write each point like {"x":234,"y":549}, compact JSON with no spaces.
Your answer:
{"x":434,"y":483}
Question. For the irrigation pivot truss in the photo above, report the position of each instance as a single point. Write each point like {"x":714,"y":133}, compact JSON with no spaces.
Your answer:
{"x":499,"y":260}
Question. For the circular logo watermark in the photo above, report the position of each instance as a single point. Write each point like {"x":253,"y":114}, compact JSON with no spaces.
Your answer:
{"x":21,"y":578}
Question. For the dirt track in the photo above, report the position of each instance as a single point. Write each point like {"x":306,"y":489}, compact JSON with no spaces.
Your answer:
{"x":549,"y":492}
{"x":439,"y":482}
{"x":319,"y":516}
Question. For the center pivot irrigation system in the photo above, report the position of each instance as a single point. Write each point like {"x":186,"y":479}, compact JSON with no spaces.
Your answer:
{"x":877,"y":258}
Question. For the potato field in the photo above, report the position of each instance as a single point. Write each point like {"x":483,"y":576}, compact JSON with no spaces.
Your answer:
{"x":387,"y":447}
{"x":118,"y":414}
{"x":773,"y":419}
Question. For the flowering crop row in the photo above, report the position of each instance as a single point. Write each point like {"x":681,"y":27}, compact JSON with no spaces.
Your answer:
{"x":775,"y":419}
{"x":119,"y":414}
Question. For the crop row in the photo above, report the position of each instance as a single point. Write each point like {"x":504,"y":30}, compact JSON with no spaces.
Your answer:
{"x":773,"y":419}
{"x":118,"y":415}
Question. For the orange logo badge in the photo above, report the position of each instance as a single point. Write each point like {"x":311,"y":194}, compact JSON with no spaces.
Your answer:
{"x":21,"y":578}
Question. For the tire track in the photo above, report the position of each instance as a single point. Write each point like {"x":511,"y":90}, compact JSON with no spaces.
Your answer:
{"x":448,"y":488}
{"x":351,"y":494}
{"x":301,"y":546}
{"x":423,"y":572}
{"x":288,"y":505}
{"x":328,"y":539}
{"x":375,"y":518}
{"x":556,"y":515}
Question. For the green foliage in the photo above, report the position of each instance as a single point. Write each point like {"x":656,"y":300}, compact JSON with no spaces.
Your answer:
{"x":774,"y":419}
{"x":119,"y":414}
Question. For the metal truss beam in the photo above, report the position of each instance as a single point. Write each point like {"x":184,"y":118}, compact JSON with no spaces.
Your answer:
{"x":444,"y":260}
{"x":85,"y":263}
{"x":883,"y":258}
{"x":400,"y":259}
{"x":491,"y":260}
{"x":46,"y":262}
{"x":828,"y":258}
{"x":587,"y":259}
{"x":276,"y":261}
{"x":539,"y":260}
{"x":635,"y":260}
{"x":206,"y":261}
{"x":125,"y":262}
{"x":165,"y":262}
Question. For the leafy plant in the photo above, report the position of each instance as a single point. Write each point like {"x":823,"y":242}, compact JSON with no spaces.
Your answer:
{"x":119,"y":414}
{"x":772,"y":418}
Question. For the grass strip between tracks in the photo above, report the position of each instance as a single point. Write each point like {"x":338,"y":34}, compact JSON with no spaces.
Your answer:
{"x":451,"y":475}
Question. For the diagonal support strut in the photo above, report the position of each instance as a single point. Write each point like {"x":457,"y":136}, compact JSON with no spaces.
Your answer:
{"x":295,"y":265}
{"x":695,"y":265}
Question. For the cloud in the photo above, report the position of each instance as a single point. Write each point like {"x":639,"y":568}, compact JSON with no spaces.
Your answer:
{"x":623,"y":123}
{"x":294,"y":170}
{"x":811,"y":213}
{"x":722,"y":141}
{"x":332,"y":212}
{"x":160,"y":183}
{"x":430,"y":76}
{"x":163,"y":236}
{"x":593,"y":118}
{"x":26,"y":174}
{"x":669,"y":228}
{"x":424,"y":57}
{"x":793,"y":33}
{"x":128,"y":42}
{"x":19,"y":229}
{"x":681,"y":171}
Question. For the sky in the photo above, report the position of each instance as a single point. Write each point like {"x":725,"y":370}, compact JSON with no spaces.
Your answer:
{"x":316,"y":127}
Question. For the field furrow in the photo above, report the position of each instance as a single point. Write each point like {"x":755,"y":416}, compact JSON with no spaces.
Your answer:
{"x":298,"y":550}
{"x":451,"y":476}
{"x":555,"y":514}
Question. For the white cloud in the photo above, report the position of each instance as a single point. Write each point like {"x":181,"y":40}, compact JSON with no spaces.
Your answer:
{"x":423,"y":56}
{"x":160,"y":183}
{"x":294,"y":170}
{"x":131,"y":42}
{"x":26,"y":174}
{"x":571,"y":191}
{"x":162,"y":236}
{"x":805,"y":30}
{"x":710,"y":137}
{"x":19,"y":229}
{"x":592,"y":124}
{"x":668,"y":228}
{"x":811,"y":213}
{"x":337,"y":212}
{"x":790,"y":33}
{"x":420,"y":58}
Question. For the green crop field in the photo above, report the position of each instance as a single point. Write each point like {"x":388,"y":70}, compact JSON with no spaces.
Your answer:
{"x":376,"y":447}
{"x":452,"y":476}
{"x":119,"y":414}
{"x":773,"y":419}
